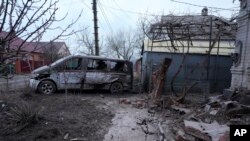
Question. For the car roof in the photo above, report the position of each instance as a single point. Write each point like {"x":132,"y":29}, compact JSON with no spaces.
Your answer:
{"x":94,"y":57}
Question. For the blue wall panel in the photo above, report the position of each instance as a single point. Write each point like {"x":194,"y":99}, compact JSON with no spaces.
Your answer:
{"x":195,"y":69}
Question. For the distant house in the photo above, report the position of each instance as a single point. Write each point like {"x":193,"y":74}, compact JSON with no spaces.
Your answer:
{"x":54,"y":50}
{"x":207,"y":41}
{"x":39,"y":54}
{"x":34,"y":54}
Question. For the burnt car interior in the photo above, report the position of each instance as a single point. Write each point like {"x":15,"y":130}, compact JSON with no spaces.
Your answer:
{"x":119,"y":67}
{"x":97,"y":65}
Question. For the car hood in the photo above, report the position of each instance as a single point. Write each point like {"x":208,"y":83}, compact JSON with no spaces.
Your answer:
{"x":41,"y":69}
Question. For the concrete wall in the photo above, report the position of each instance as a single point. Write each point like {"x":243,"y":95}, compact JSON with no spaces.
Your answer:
{"x":195,"y":69}
{"x":241,"y":72}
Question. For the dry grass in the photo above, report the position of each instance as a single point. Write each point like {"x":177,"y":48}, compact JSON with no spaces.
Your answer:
{"x":20,"y":116}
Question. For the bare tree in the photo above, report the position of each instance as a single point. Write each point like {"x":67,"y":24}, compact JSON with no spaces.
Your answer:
{"x":51,"y":51}
{"x":29,"y":20}
{"x":125,"y":44}
{"x":86,"y":42}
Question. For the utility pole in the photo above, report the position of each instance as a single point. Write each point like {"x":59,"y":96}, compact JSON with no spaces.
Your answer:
{"x":95,"y":28}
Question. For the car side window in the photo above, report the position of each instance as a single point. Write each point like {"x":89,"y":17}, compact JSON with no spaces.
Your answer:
{"x":118,"y":66}
{"x":73,"y":64}
{"x":94,"y":64}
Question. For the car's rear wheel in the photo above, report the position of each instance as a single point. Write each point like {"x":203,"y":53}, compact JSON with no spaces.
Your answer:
{"x":116,"y":88}
{"x":46,"y":87}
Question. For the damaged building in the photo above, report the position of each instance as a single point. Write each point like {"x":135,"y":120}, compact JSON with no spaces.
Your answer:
{"x":200,"y":47}
{"x":241,"y":68}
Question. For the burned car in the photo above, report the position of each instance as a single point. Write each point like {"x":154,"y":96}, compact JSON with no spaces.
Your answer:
{"x":83,"y":72}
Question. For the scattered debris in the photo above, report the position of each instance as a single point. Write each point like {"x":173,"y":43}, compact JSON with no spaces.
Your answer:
{"x":162,"y":135}
{"x":66,"y":136}
{"x":124,"y":101}
{"x":207,"y":108}
{"x":180,"y":136}
{"x":213,"y":112}
{"x":79,"y":139}
{"x":2,"y":104}
{"x":181,"y":99}
{"x":137,"y":103}
{"x":201,"y":122}
{"x":204,"y":131}
{"x":181,"y":110}
{"x":225,"y":137}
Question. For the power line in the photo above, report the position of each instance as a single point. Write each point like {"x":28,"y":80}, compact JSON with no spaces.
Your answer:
{"x":105,"y":26}
{"x":118,"y":15}
{"x":121,"y":9}
{"x":85,"y":4}
{"x":191,"y":4}
{"x":129,"y":11}
{"x":105,"y":16}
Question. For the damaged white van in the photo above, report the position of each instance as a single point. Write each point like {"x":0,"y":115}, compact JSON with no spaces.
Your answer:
{"x":83,"y":72}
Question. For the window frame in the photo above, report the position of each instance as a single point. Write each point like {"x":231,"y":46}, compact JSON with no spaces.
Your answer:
{"x":94,"y":69}
{"x":61,"y":67}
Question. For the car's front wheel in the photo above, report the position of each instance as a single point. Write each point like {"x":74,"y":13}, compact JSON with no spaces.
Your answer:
{"x":46,"y":87}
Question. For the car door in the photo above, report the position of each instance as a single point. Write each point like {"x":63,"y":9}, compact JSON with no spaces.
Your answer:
{"x":97,"y":72}
{"x":72,"y":74}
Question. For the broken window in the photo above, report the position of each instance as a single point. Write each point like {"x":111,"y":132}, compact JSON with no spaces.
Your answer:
{"x":118,"y":66}
{"x":72,"y":64}
{"x":97,"y":64}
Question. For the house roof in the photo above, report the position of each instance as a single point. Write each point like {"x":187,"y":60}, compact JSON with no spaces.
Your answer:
{"x":55,"y":45}
{"x":192,"y":33}
{"x":37,"y":47}
{"x":198,"y":26}
{"x":14,"y":43}
{"x":194,"y":19}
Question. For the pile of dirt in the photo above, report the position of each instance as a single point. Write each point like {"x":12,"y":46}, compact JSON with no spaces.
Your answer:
{"x":57,"y":117}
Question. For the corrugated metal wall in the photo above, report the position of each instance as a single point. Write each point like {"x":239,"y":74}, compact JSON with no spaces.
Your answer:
{"x":195,"y":69}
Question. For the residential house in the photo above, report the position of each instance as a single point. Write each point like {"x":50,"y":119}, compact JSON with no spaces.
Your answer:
{"x":38,"y":54}
{"x":35,"y":54}
{"x":201,"y":44}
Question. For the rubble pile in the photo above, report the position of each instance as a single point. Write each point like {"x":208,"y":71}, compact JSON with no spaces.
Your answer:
{"x":209,"y":121}
{"x":193,"y":119}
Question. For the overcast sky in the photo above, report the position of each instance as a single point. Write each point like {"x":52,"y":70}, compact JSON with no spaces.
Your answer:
{"x":116,"y":15}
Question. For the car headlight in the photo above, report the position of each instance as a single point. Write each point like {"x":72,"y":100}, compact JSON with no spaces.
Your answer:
{"x":34,"y":75}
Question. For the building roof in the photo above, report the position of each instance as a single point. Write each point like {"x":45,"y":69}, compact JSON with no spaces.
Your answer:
{"x":55,"y":45}
{"x":15,"y":42}
{"x":193,"y":34}
{"x":197,"y":26}
{"x":37,"y":47}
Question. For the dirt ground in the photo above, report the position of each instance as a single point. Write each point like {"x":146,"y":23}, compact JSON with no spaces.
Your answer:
{"x":87,"y":116}
{"x":96,"y":116}
{"x":59,"y":116}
